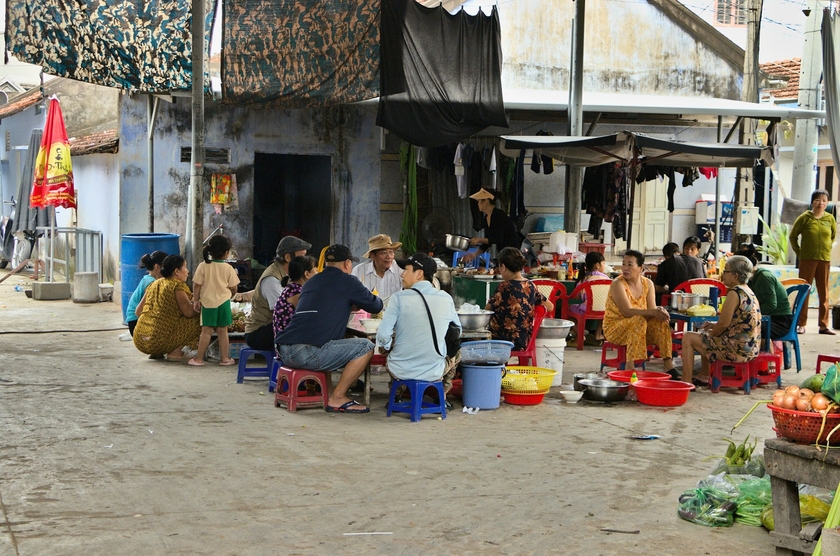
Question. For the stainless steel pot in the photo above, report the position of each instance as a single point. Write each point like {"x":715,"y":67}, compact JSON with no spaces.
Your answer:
{"x":585,"y":376}
{"x":444,"y":276}
{"x":682,"y":301}
{"x":457,"y":243}
{"x":475,"y":321}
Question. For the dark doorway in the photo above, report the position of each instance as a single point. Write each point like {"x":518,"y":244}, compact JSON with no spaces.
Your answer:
{"x":291,"y":197}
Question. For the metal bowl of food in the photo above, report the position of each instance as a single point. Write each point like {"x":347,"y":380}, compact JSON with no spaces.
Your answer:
{"x":475,"y":321}
{"x":585,"y":376}
{"x":457,"y":243}
{"x":682,"y":301}
{"x":600,"y":390}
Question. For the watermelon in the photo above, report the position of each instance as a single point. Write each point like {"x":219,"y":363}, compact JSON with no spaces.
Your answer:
{"x":814,"y":382}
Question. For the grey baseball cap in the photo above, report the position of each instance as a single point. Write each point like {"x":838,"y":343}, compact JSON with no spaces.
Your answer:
{"x":290,"y":244}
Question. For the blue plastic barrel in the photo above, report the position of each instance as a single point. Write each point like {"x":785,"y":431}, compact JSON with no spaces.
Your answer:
{"x":132,"y":249}
{"x":482,"y":385}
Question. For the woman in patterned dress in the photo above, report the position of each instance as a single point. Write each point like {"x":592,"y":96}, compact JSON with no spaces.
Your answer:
{"x":514,"y":302}
{"x":737,"y":333}
{"x":632,"y":318}
{"x":168,"y":321}
{"x":301,"y":269}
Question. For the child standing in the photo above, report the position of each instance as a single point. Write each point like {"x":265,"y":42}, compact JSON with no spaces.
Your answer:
{"x":214,"y":283}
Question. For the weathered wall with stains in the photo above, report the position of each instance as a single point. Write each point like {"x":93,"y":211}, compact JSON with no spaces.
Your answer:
{"x":630,"y":47}
{"x":349,"y":136}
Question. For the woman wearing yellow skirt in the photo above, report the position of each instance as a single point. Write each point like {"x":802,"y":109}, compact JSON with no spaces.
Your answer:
{"x":632,"y":318}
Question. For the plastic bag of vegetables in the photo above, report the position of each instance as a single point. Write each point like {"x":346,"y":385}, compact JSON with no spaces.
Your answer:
{"x":831,"y":384}
{"x":755,"y":496}
{"x":707,"y":506}
{"x":811,"y":510}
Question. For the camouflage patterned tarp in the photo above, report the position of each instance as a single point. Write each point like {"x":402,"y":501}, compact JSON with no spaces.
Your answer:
{"x":131,"y":44}
{"x":298,"y":53}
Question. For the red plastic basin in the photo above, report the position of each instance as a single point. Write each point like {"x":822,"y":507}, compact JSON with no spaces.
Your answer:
{"x":662,"y":393}
{"x":523,"y":399}
{"x":624,"y":376}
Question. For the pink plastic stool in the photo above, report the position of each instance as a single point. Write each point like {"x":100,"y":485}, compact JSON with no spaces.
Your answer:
{"x":830,"y":359}
{"x":288,"y":385}
{"x":758,"y":377}
{"x":619,"y":360}
{"x":740,"y":380}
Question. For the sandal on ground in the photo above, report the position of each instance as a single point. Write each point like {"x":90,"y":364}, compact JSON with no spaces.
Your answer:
{"x":228,"y":362}
{"x":347,"y":408}
{"x":800,"y":330}
{"x":195,"y":363}
{"x":827,"y":331}
{"x":699,"y":383}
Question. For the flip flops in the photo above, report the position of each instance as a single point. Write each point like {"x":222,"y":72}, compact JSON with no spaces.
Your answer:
{"x":228,"y":362}
{"x":195,"y":363}
{"x":827,"y":331}
{"x":800,"y":330}
{"x":345,"y":408}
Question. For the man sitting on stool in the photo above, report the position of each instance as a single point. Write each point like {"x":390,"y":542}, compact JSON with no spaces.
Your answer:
{"x":315,"y":339}
{"x":406,"y":332}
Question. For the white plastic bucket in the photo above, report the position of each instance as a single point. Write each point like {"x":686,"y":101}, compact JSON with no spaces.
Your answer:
{"x":550,"y":354}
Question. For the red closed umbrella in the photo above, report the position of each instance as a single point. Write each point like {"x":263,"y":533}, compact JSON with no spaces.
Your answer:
{"x":53,"y":184}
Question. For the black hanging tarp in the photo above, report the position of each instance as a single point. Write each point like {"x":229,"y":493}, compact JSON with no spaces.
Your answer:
{"x":28,"y":218}
{"x":440,"y":73}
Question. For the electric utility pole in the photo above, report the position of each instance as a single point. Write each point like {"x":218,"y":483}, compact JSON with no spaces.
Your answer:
{"x":195,"y":196}
{"x":571,"y":211}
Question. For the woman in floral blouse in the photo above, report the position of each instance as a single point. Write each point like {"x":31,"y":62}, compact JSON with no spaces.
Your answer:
{"x":737,"y":333}
{"x":301,"y":269}
{"x":514,"y":302}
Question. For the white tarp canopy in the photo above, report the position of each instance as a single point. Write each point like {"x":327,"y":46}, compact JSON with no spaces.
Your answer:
{"x":623,"y":146}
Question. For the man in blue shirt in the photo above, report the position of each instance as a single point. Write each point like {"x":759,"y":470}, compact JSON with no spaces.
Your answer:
{"x":405,"y":329}
{"x":315,"y":339}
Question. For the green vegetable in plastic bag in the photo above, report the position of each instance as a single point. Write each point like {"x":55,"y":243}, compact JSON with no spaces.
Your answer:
{"x":831,"y":384}
{"x":707,"y":506}
{"x":811,"y":510}
{"x":755,"y":496}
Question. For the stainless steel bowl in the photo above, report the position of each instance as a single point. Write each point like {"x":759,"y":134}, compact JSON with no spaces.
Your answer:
{"x":601,"y":390}
{"x":475,"y":321}
{"x":555,"y":329}
{"x":682,"y":301}
{"x":444,"y":276}
{"x":585,"y":376}
{"x":457,"y":243}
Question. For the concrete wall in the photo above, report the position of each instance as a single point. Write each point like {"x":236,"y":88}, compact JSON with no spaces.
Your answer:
{"x":349,"y":136}
{"x":630,"y":47}
{"x":97,"y":182}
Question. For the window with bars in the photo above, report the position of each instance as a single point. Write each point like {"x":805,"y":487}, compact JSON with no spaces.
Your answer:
{"x":731,"y":12}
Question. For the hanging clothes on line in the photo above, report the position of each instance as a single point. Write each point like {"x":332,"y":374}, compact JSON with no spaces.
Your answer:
{"x":540,"y":161}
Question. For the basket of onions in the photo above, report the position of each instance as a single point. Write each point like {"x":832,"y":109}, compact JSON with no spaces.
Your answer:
{"x":804,"y":416}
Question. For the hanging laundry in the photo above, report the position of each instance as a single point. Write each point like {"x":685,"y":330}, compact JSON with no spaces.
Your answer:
{"x":460,"y":178}
{"x":690,"y":175}
{"x":540,"y":161}
{"x":709,"y":172}
{"x":492,"y":168}
{"x":517,"y":189}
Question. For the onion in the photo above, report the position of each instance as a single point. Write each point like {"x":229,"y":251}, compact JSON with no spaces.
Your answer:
{"x":805,"y":393}
{"x":778,"y":398}
{"x":803,"y":404}
{"x":789,"y":401}
{"x":820,"y":402}
{"x":792,"y":389}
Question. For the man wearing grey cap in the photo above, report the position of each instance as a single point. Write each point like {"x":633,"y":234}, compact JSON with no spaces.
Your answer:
{"x":315,"y":337}
{"x":259,"y":332}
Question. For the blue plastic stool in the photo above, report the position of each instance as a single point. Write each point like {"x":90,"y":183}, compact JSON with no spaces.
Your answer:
{"x":474,"y":263}
{"x":272,"y":378}
{"x":255,"y":372}
{"x":415,"y":406}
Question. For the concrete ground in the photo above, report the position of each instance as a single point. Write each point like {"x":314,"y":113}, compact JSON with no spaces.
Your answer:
{"x":107,"y":452}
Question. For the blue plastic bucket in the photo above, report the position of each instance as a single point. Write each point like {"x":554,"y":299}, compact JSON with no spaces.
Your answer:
{"x":132,"y":249}
{"x":482,"y":385}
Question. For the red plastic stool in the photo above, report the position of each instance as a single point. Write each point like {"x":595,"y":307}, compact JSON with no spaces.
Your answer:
{"x":758,"y":376}
{"x":619,"y":360}
{"x":740,"y":380}
{"x":377,"y":359}
{"x":831,"y":359}
{"x":288,"y":384}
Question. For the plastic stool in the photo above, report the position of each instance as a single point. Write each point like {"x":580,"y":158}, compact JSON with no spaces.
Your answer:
{"x":831,"y":359}
{"x":619,"y":360}
{"x":378,"y":360}
{"x":757,"y":377}
{"x":740,"y":380}
{"x":254,"y":372}
{"x":272,"y":378}
{"x":288,"y":385}
{"x":415,"y":406}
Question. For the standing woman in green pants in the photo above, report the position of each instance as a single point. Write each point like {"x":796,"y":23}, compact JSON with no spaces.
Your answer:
{"x":817,"y":230}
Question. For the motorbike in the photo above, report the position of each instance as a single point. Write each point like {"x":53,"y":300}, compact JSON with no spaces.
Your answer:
{"x":15,"y":247}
